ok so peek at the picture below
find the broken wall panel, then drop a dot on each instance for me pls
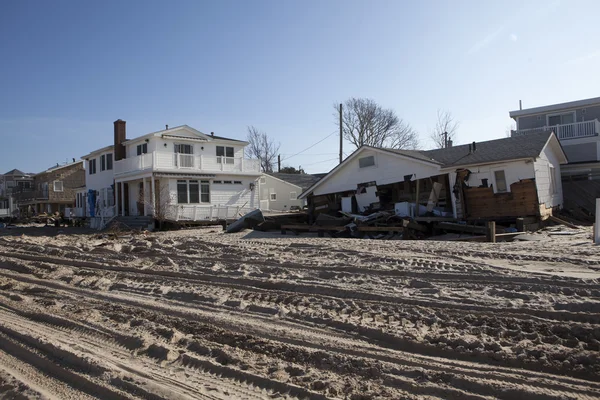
(521, 201)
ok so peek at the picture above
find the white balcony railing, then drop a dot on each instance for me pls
(164, 161)
(566, 131)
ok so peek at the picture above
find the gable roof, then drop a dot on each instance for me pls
(491, 151)
(303, 181)
(488, 152)
(15, 172)
(172, 132)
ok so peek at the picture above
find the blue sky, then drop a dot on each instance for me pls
(69, 69)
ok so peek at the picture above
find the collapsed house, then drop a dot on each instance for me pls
(492, 180)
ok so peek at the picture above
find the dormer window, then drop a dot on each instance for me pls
(225, 154)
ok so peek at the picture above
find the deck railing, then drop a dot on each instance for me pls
(181, 212)
(566, 131)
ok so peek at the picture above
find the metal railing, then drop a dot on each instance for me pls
(566, 131)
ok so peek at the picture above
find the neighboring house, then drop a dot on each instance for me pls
(504, 178)
(52, 190)
(279, 191)
(96, 198)
(178, 174)
(12, 183)
(576, 124)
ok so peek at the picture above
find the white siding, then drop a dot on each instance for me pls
(101, 179)
(283, 190)
(388, 169)
(548, 158)
(226, 194)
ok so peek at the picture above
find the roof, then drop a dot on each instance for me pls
(169, 132)
(60, 167)
(556, 107)
(491, 151)
(102, 150)
(488, 152)
(303, 181)
(15, 172)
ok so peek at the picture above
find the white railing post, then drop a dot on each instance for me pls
(177, 213)
(222, 162)
(210, 214)
(242, 164)
(195, 213)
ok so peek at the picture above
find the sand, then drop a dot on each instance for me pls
(205, 315)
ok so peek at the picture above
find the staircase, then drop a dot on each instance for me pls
(134, 222)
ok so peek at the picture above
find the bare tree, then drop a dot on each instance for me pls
(445, 124)
(364, 122)
(263, 147)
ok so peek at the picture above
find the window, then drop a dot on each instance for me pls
(193, 192)
(109, 161)
(237, 182)
(263, 180)
(273, 196)
(184, 148)
(217, 182)
(58, 186)
(227, 182)
(561, 119)
(293, 196)
(366, 162)
(224, 151)
(500, 179)
(204, 192)
(92, 166)
(103, 162)
(553, 188)
(142, 149)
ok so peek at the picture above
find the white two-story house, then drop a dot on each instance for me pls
(176, 174)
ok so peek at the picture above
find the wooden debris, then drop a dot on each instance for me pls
(563, 222)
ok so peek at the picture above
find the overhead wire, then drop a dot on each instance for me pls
(310, 147)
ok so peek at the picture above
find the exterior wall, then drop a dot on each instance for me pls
(199, 148)
(225, 194)
(582, 149)
(101, 179)
(546, 196)
(513, 172)
(532, 121)
(283, 192)
(387, 169)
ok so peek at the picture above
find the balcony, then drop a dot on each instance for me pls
(30, 195)
(176, 162)
(567, 131)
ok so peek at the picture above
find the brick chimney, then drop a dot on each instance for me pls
(120, 136)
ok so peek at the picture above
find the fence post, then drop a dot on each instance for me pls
(491, 231)
(177, 214)
(195, 213)
(210, 217)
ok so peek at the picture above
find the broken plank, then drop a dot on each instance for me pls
(563, 222)
(380, 228)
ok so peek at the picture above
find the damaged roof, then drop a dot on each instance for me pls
(303, 181)
(513, 148)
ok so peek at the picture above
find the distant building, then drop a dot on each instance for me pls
(279, 191)
(50, 191)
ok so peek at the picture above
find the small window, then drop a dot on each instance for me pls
(204, 192)
(109, 161)
(103, 162)
(217, 182)
(182, 195)
(553, 188)
(184, 148)
(273, 196)
(366, 162)
(227, 182)
(92, 166)
(500, 181)
(58, 186)
(194, 192)
(142, 149)
(263, 180)
(293, 196)
(237, 182)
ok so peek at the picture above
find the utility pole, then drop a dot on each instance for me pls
(341, 135)
(278, 162)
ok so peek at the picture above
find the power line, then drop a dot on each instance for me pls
(311, 154)
(310, 147)
(319, 162)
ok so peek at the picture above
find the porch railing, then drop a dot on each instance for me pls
(566, 131)
(205, 213)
